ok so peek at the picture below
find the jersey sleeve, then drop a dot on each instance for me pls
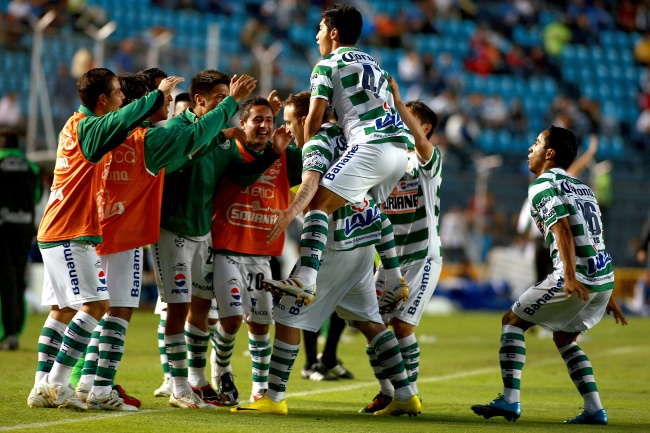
(98, 135)
(316, 156)
(321, 81)
(433, 166)
(547, 205)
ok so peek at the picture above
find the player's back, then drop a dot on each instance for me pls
(357, 87)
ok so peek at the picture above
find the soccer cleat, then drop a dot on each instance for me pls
(338, 370)
(208, 395)
(165, 389)
(82, 391)
(317, 372)
(189, 401)
(227, 390)
(391, 300)
(598, 417)
(498, 407)
(10, 342)
(61, 396)
(132, 401)
(410, 407)
(263, 405)
(380, 402)
(36, 400)
(292, 286)
(112, 401)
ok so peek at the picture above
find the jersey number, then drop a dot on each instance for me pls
(258, 281)
(590, 214)
(369, 79)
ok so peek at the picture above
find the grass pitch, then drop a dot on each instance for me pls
(458, 367)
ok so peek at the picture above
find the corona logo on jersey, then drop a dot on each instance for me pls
(124, 154)
(118, 176)
(251, 215)
(234, 292)
(364, 217)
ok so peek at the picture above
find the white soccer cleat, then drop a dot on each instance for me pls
(35, 400)
(82, 391)
(190, 401)
(392, 299)
(292, 286)
(112, 401)
(61, 396)
(165, 389)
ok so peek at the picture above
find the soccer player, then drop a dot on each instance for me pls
(183, 253)
(130, 220)
(574, 297)
(354, 83)
(413, 209)
(240, 225)
(346, 284)
(181, 102)
(70, 229)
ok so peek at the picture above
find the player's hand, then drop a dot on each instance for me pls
(282, 221)
(281, 139)
(275, 101)
(393, 85)
(574, 287)
(241, 87)
(615, 309)
(236, 133)
(167, 85)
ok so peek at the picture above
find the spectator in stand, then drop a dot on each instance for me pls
(626, 15)
(517, 63)
(420, 18)
(556, 35)
(582, 32)
(643, 16)
(123, 59)
(10, 113)
(410, 69)
(517, 121)
(494, 112)
(642, 50)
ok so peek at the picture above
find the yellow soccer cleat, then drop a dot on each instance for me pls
(410, 407)
(263, 405)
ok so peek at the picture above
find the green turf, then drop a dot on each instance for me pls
(458, 368)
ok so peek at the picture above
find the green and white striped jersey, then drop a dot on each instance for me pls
(356, 86)
(555, 195)
(351, 226)
(414, 209)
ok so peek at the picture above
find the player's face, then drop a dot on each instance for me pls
(114, 99)
(295, 125)
(537, 154)
(258, 127)
(324, 40)
(217, 95)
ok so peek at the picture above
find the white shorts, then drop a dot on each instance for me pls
(546, 305)
(345, 284)
(183, 268)
(73, 275)
(373, 168)
(124, 277)
(238, 288)
(422, 278)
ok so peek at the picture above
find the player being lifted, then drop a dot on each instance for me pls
(357, 88)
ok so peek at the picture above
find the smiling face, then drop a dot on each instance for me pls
(537, 154)
(324, 39)
(295, 125)
(258, 127)
(113, 101)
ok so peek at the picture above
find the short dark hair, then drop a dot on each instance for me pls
(134, 86)
(424, 114)
(8, 139)
(182, 97)
(245, 111)
(205, 81)
(93, 84)
(150, 76)
(564, 143)
(300, 102)
(346, 19)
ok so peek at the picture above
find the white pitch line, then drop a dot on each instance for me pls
(479, 371)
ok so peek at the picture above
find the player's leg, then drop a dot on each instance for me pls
(578, 364)
(92, 294)
(329, 360)
(166, 388)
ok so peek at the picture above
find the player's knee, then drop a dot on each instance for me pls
(231, 324)
(401, 329)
